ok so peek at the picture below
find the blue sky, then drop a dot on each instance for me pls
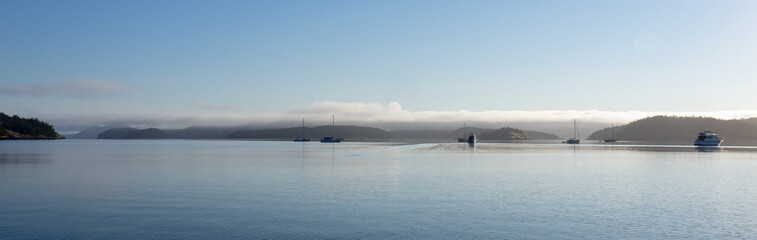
(245, 60)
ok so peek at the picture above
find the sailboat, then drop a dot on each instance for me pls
(464, 138)
(302, 138)
(612, 138)
(575, 139)
(332, 139)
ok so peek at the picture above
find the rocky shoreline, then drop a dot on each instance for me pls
(11, 135)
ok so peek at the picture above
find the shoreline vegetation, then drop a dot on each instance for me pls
(18, 128)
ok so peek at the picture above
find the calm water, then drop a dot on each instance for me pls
(245, 190)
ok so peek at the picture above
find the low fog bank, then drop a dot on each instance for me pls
(389, 117)
(562, 129)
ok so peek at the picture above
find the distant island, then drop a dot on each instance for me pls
(350, 133)
(15, 127)
(668, 128)
(657, 129)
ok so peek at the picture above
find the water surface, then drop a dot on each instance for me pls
(169, 189)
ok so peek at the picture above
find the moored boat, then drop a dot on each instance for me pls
(708, 138)
(612, 137)
(472, 139)
(575, 139)
(332, 138)
(463, 139)
(302, 138)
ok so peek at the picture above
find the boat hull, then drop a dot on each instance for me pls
(331, 140)
(711, 143)
(573, 141)
(472, 140)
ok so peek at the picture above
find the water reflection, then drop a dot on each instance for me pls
(708, 149)
(256, 190)
(531, 147)
(24, 158)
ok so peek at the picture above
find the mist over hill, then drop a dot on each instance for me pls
(369, 133)
(200, 132)
(315, 133)
(150, 133)
(350, 133)
(398, 129)
(92, 132)
(661, 128)
(155, 133)
(539, 135)
(116, 133)
(89, 133)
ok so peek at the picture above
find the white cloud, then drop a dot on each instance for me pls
(393, 112)
(74, 88)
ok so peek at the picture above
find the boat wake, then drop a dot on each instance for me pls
(447, 147)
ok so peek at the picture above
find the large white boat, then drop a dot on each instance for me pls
(708, 138)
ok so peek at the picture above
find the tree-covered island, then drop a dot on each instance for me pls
(15, 127)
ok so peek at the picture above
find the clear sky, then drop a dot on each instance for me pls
(64, 60)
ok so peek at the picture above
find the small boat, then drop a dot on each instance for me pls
(332, 139)
(472, 139)
(302, 138)
(575, 139)
(708, 138)
(612, 138)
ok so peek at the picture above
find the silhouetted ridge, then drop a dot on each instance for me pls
(150, 133)
(116, 133)
(682, 128)
(92, 132)
(358, 133)
(200, 132)
(347, 132)
(504, 133)
(539, 135)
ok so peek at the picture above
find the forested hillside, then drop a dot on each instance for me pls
(15, 127)
(682, 128)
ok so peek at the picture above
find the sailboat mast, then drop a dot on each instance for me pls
(333, 126)
(303, 127)
(575, 131)
(612, 128)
